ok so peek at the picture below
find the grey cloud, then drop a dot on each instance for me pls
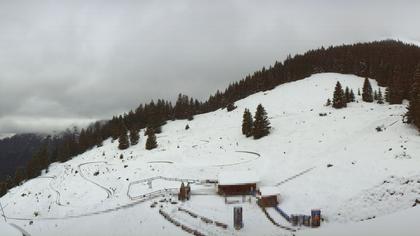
(71, 62)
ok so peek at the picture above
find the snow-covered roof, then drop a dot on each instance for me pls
(269, 191)
(237, 177)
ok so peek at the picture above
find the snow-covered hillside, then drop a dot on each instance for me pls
(357, 176)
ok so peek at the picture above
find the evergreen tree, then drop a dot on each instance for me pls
(247, 123)
(123, 141)
(347, 94)
(396, 87)
(19, 176)
(37, 163)
(358, 92)
(375, 95)
(387, 95)
(380, 97)
(339, 99)
(367, 95)
(413, 109)
(3, 188)
(151, 140)
(149, 130)
(261, 123)
(134, 135)
(352, 97)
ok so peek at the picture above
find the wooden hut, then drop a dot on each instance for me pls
(268, 196)
(183, 193)
(237, 183)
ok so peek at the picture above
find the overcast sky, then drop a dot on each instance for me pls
(74, 61)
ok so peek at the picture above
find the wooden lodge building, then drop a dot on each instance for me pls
(268, 196)
(232, 183)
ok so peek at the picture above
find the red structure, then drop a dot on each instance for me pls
(237, 183)
(268, 196)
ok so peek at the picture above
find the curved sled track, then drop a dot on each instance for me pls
(58, 195)
(160, 162)
(108, 192)
(253, 153)
(139, 200)
(193, 181)
(257, 155)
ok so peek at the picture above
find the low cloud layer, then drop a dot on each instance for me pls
(72, 62)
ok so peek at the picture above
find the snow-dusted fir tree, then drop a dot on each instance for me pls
(134, 136)
(123, 140)
(352, 97)
(151, 140)
(247, 123)
(339, 98)
(347, 94)
(261, 123)
(367, 95)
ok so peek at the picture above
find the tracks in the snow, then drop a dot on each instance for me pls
(137, 201)
(274, 222)
(58, 195)
(295, 176)
(149, 180)
(108, 192)
(257, 155)
(24, 232)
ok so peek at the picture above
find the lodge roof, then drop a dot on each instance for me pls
(269, 191)
(238, 177)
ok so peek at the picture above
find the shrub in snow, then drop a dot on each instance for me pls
(328, 103)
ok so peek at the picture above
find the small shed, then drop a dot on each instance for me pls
(184, 192)
(269, 196)
(237, 183)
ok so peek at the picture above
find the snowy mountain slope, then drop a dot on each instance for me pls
(103, 194)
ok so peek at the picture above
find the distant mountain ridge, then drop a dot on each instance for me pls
(17, 150)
